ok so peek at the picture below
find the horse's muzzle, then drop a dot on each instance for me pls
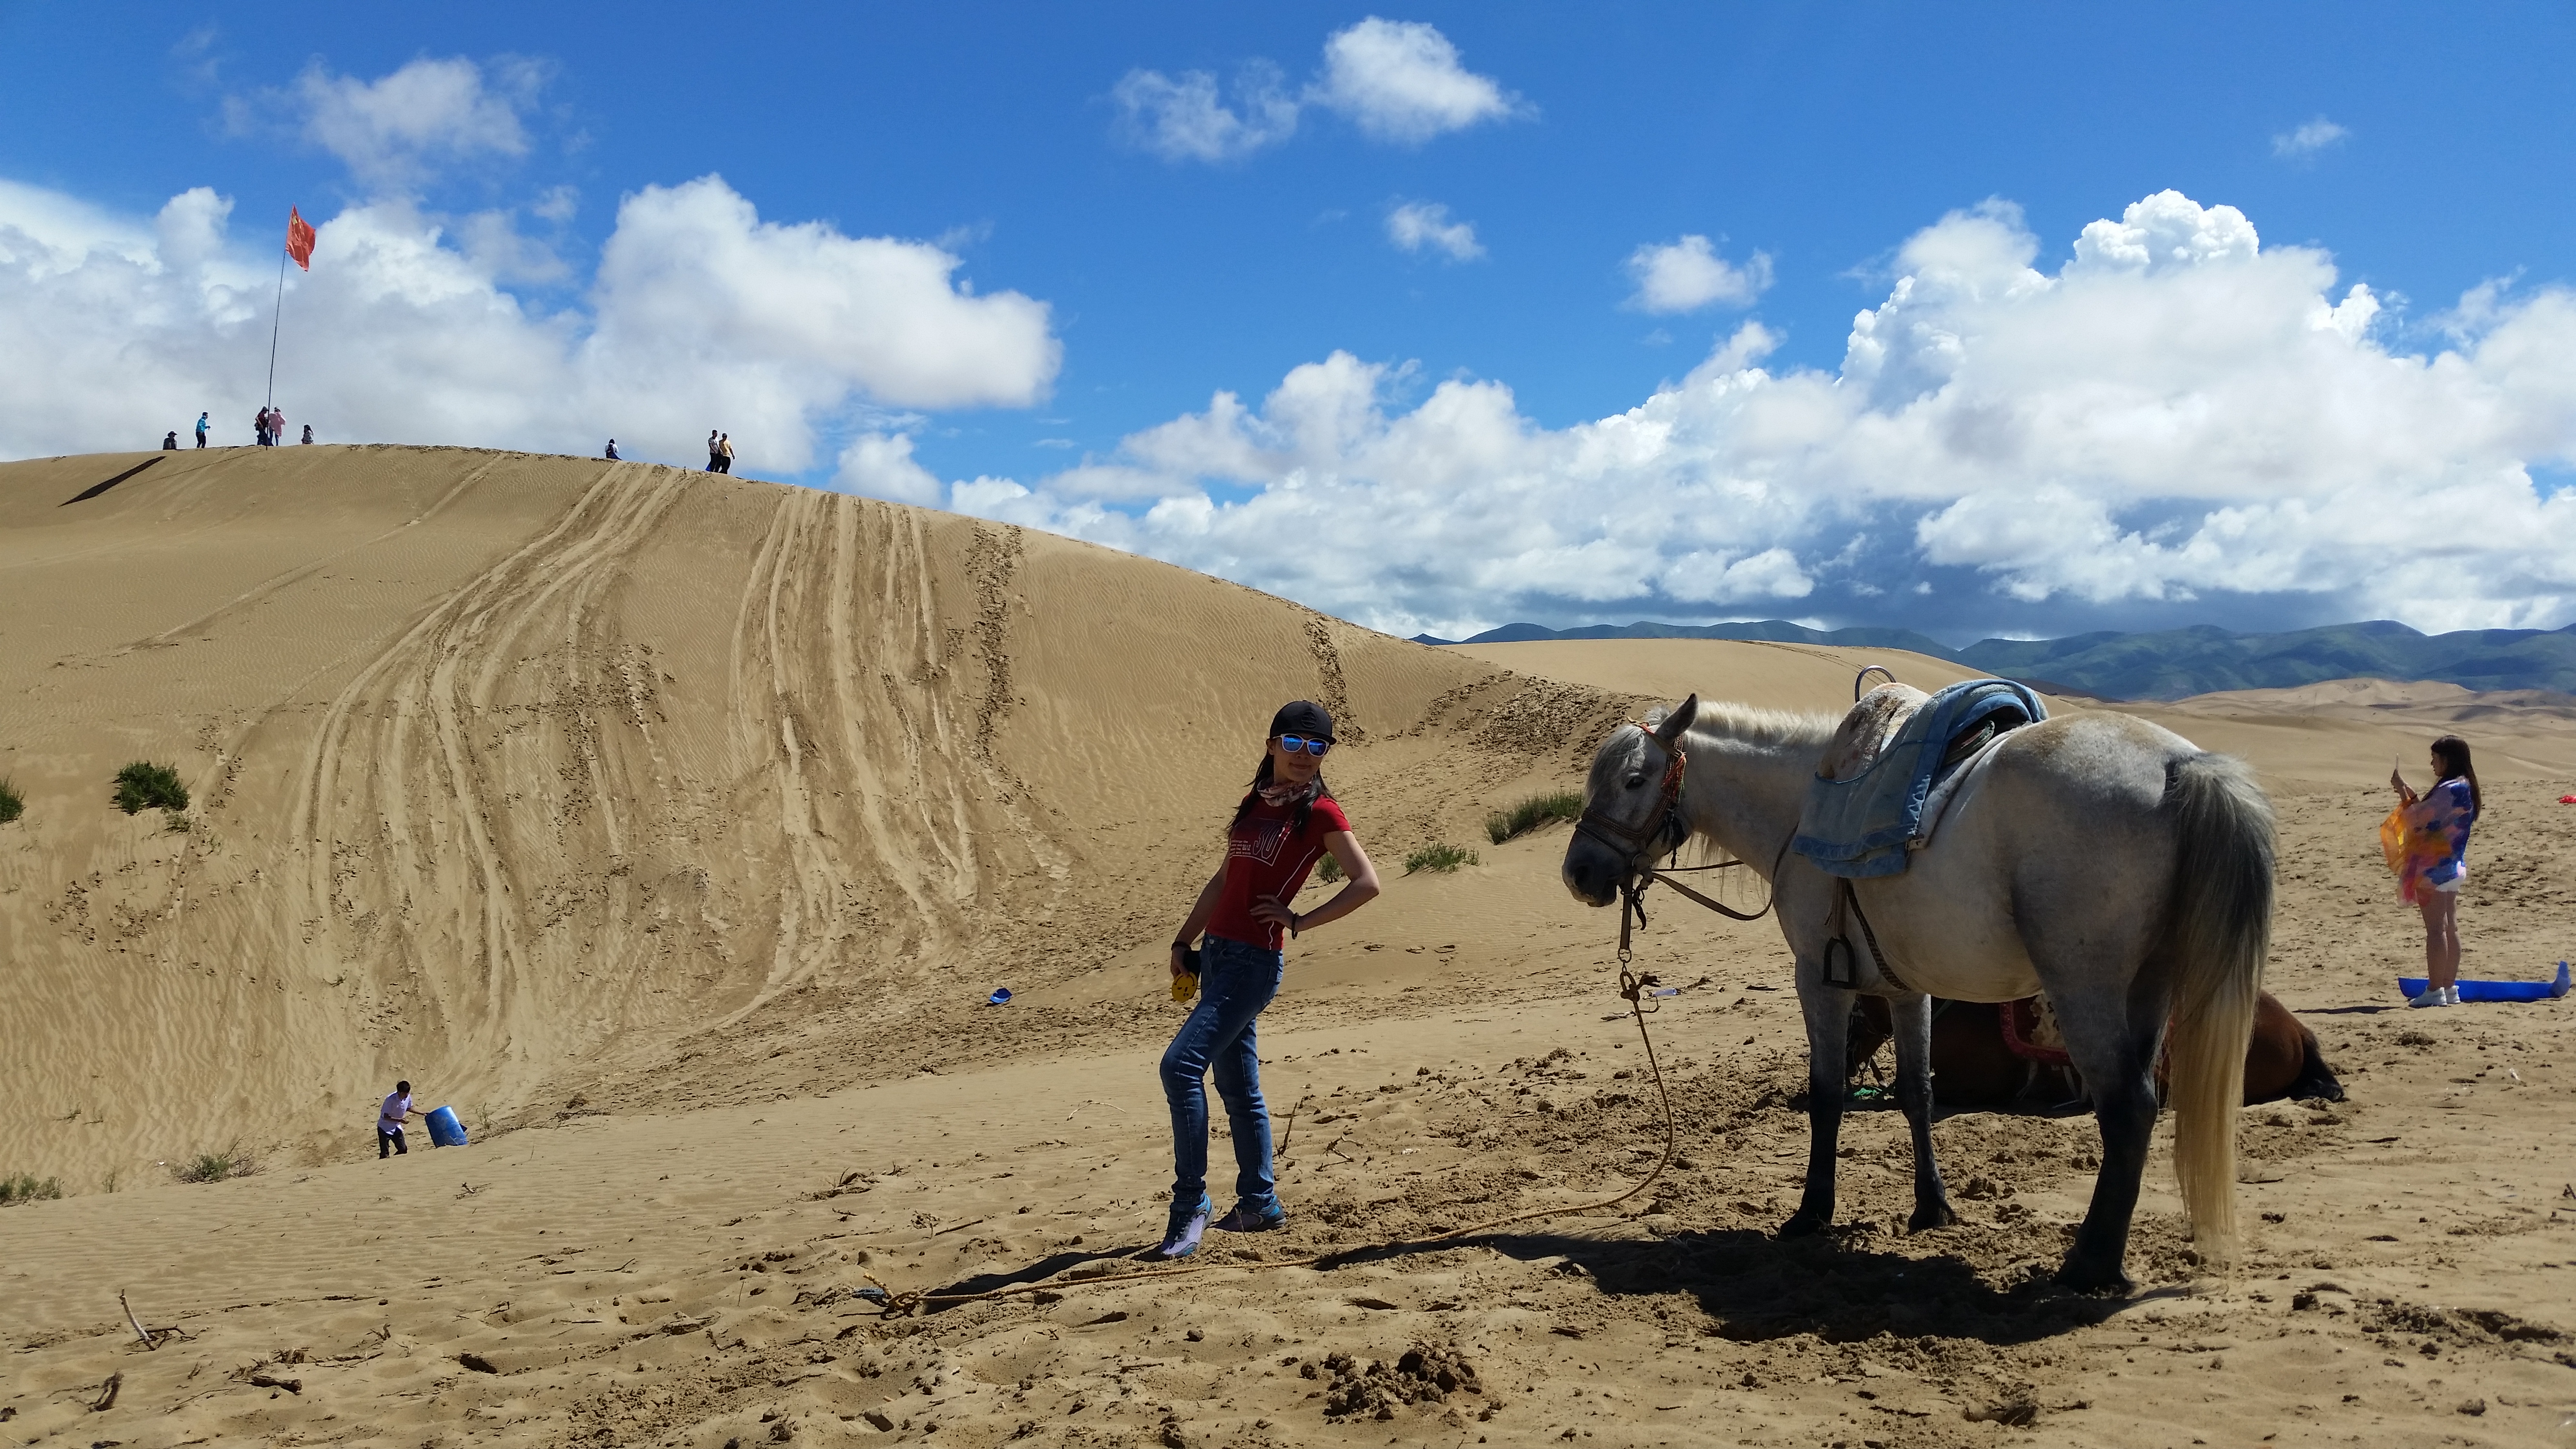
(1590, 873)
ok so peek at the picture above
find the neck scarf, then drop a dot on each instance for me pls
(1287, 794)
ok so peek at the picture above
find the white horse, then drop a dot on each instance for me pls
(2095, 857)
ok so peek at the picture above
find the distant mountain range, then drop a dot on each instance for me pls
(2172, 663)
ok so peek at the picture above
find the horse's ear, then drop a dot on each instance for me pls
(1672, 727)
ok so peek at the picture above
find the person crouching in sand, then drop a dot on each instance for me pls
(1286, 823)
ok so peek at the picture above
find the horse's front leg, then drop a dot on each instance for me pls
(1912, 1019)
(1828, 1011)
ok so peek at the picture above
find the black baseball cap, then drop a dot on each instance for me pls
(1301, 717)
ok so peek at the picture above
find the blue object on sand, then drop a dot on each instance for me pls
(1000, 997)
(2413, 986)
(444, 1129)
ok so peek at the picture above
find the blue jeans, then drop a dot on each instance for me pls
(1235, 981)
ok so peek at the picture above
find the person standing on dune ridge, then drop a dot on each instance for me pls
(1286, 823)
(201, 430)
(2443, 814)
(715, 460)
(724, 451)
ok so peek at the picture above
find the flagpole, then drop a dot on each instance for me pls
(278, 316)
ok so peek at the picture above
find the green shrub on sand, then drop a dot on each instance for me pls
(1532, 813)
(1439, 857)
(147, 786)
(26, 1187)
(216, 1166)
(12, 804)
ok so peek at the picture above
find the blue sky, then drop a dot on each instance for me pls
(1484, 372)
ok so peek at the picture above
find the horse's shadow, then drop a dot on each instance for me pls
(1753, 1286)
(1756, 1287)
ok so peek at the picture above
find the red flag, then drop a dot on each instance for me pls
(299, 238)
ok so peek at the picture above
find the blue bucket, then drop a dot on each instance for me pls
(444, 1129)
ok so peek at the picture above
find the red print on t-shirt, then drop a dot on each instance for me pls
(1265, 856)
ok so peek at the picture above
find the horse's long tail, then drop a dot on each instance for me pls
(2219, 929)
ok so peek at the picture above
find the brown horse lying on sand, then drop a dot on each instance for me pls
(1973, 1064)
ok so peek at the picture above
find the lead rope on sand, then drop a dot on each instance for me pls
(1631, 985)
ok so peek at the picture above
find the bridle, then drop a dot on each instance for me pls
(1663, 834)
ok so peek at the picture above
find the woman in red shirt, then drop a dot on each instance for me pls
(1287, 822)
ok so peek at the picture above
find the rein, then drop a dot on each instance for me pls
(1639, 845)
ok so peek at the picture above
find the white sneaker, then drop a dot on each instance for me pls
(2451, 995)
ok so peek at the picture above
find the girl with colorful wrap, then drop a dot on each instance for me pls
(2427, 841)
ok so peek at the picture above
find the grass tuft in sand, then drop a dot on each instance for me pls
(143, 785)
(217, 1166)
(12, 804)
(1532, 813)
(27, 1187)
(1440, 857)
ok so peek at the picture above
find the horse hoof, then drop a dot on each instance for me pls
(1803, 1224)
(2091, 1278)
(1930, 1216)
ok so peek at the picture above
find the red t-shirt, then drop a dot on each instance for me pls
(1263, 857)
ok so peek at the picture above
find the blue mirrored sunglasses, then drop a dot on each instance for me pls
(1293, 743)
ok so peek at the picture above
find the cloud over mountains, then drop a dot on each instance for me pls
(2173, 412)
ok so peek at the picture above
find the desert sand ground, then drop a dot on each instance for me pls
(674, 828)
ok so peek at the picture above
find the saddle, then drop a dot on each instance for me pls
(1893, 764)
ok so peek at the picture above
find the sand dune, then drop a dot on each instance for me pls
(674, 828)
(508, 768)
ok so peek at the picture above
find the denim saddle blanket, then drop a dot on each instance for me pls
(1878, 791)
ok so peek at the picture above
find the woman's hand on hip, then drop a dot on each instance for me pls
(1269, 909)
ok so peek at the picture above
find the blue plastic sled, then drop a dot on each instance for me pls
(2412, 986)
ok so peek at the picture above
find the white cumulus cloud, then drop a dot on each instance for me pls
(1402, 81)
(2173, 412)
(1689, 274)
(700, 314)
(1398, 81)
(1419, 225)
(2307, 139)
(391, 130)
(1184, 119)
(880, 465)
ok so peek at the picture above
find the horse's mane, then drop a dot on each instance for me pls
(1720, 722)
(1757, 726)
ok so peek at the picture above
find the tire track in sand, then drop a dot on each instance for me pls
(871, 678)
(396, 760)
